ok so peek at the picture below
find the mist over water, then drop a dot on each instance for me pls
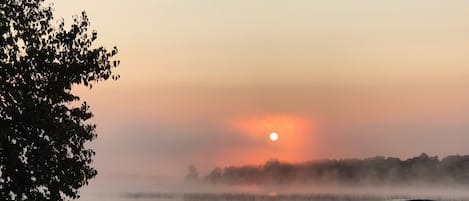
(426, 186)
(203, 192)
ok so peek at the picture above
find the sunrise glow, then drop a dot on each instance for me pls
(292, 135)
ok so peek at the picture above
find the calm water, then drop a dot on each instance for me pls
(126, 191)
(262, 197)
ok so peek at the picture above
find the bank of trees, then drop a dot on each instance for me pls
(377, 170)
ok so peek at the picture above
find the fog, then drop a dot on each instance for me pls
(377, 178)
(386, 192)
(379, 170)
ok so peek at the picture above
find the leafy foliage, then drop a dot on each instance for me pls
(42, 135)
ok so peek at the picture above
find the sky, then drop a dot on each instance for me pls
(205, 82)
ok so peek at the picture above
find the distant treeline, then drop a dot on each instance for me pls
(377, 170)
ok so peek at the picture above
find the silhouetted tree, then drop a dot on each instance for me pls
(42, 134)
(214, 176)
(193, 175)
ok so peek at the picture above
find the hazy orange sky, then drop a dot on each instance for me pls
(204, 82)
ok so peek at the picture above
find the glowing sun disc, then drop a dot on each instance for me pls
(273, 136)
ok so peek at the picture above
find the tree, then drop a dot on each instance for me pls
(193, 175)
(214, 176)
(42, 131)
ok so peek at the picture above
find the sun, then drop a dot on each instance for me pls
(273, 136)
